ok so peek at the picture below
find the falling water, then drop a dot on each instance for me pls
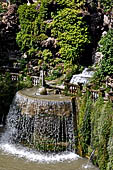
(40, 129)
(84, 77)
(43, 125)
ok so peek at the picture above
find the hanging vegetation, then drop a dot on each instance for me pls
(95, 131)
(61, 20)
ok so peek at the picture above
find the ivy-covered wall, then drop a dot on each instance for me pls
(105, 67)
(95, 131)
(62, 21)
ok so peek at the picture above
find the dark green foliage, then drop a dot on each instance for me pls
(110, 147)
(101, 133)
(18, 2)
(107, 4)
(8, 89)
(27, 83)
(106, 65)
(72, 41)
(7, 92)
(85, 123)
(57, 72)
(96, 131)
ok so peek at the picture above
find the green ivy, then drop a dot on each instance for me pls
(71, 33)
(106, 65)
(107, 4)
(85, 123)
(101, 133)
(67, 27)
(26, 38)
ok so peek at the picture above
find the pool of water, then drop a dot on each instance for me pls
(15, 157)
(11, 162)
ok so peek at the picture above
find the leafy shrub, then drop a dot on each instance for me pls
(27, 83)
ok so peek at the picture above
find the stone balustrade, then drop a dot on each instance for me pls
(74, 89)
(35, 80)
(15, 77)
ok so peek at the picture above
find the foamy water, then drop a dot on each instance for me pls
(35, 156)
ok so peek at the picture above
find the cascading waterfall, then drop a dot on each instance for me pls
(83, 78)
(43, 123)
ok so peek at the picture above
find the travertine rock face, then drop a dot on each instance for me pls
(50, 42)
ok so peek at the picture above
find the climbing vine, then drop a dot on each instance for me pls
(107, 4)
(106, 48)
(95, 131)
(72, 35)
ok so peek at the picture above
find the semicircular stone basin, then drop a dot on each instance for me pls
(32, 104)
(44, 122)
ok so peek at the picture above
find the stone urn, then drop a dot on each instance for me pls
(42, 91)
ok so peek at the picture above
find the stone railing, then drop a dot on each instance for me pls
(35, 80)
(71, 88)
(15, 77)
(74, 89)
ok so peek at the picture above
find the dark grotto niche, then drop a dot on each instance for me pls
(9, 53)
(9, 27)
(94, 19)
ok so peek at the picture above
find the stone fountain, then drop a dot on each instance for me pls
(43, 122)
